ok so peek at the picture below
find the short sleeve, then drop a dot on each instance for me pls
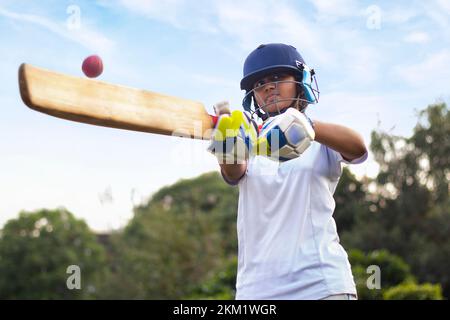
(231, 182)
(335, 160)
(354, 161)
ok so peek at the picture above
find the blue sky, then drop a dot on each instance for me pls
(377, 62)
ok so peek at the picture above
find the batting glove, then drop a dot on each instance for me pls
(234, 135)
(286, 136)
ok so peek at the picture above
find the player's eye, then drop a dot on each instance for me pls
(279, 77)
(273, 78)
(260, 83)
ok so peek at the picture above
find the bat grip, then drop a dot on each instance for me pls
(214, 120)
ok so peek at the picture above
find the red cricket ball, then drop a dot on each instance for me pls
(92, 66)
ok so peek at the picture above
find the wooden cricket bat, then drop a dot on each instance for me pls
(104, 104)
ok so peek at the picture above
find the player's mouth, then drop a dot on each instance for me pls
(273, 98)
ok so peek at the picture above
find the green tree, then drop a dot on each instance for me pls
(220, 284)
(409, 211)
(37, 248)
(174, 241)
(207, 195)
(351, 203)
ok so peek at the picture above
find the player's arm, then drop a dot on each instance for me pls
(233, 172)
(344, 140)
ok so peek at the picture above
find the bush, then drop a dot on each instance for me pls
(413, 291)
(220, 285)
(393, 272)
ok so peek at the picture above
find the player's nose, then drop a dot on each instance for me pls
(269, 87)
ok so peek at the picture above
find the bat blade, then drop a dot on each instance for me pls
(104, 104)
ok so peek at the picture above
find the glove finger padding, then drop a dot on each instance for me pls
(229, 125)
(233, 137)
(285, 136)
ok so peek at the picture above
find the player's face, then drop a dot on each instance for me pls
(275, 92)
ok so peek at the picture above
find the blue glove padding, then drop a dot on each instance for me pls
(285, 136)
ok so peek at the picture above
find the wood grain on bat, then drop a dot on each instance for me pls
(100, 103)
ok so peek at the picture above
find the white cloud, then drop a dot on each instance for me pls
(363, 64)
(444, 6)
(438, 12)
(417, 37)
(365, 112)
(167, 11)
(330, 11)
(300, 31)
(432, 73)
(249, 22)
(255, 22)
(88, 38)
(438, 17)
(315, 41)
(399, 15)
(245, 21)
(180, 14)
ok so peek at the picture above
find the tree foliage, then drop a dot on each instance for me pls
(393, 271)
(413, 291)
(220, 284)
(409, 209)
(37, 248)
(174, 241)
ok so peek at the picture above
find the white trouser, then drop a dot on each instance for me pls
(343, 296)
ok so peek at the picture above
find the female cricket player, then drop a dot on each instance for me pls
(287, 172)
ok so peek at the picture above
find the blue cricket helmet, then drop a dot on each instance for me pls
(269, 58)
(276, 57)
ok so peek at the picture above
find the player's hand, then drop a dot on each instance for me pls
(285, 136)
(234, 135)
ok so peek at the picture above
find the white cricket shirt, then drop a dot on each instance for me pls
(287, 238)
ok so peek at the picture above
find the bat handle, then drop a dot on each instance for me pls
(220, 108)
(214, 120)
